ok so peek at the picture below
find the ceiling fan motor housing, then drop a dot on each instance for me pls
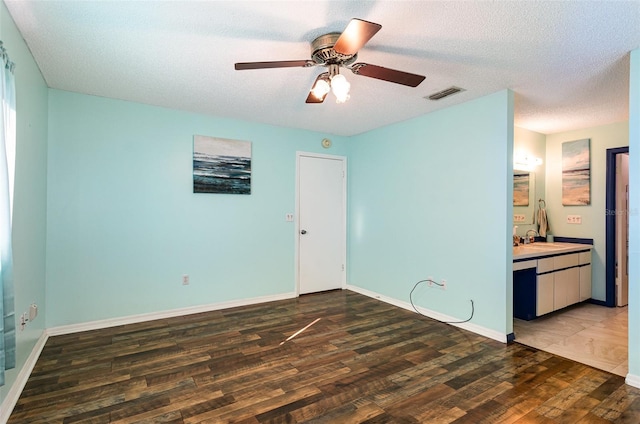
(323, 53)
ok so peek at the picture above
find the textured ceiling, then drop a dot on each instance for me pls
(567, 61)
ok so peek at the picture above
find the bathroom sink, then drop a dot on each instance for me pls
(545, 245)
(540, 249)
(536, 247)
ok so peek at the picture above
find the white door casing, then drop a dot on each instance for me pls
(321, 222)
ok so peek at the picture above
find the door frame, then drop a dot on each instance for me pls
(610, 227)
(296, 234)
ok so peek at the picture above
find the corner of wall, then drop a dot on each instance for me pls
(634, 218)
(30, 201)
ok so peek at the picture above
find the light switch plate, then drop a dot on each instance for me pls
(574, 219)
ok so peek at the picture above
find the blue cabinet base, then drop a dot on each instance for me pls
(524, 294)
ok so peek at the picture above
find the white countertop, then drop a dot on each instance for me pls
(540, 249)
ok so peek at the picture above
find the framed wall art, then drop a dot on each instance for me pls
(576, 173)
(221, 165)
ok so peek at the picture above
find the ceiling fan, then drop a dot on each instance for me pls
(337, 50)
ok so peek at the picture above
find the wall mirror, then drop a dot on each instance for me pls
(524, 197)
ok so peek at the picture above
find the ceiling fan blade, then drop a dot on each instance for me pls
(386, 74)
(356, 35)
(311, 98)
(276, 64)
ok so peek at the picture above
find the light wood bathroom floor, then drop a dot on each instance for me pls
(589, 334)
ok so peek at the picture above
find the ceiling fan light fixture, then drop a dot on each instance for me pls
(321, 88)
(336, 50)
(340, 88)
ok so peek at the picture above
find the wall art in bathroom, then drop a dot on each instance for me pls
(520, 188)
(576, 173)
(221, 165)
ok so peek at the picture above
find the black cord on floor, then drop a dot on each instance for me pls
(437, 284)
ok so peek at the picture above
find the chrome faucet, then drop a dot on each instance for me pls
(528, 238)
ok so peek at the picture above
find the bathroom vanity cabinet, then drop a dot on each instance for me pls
(549, 276)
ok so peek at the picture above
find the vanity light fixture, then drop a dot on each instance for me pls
(526, 163)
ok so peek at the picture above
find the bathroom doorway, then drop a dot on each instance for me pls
(617, 226)
(586, 332)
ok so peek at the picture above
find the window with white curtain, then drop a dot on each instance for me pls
(7, 173)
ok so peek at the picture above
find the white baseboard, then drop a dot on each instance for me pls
(133, 319)
(633, 380)
(21, 380)
(474, 328)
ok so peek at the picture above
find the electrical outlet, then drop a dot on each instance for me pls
(23, 321)
(574, 219)
(443, 283)
(185, 280)
(518, 218)
(288, 217)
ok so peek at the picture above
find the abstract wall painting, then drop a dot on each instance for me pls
(520, 189)
(576, 173)
(221, 165)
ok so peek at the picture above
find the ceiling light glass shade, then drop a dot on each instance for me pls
(340, 87)
(320, 89)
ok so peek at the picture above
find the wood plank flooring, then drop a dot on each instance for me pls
(363, 361)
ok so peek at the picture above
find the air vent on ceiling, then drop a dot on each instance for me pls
(445, 93)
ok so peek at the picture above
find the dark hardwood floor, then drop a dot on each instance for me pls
(363, 361)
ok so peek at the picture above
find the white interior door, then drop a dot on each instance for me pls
(622, 229)
(321, 222)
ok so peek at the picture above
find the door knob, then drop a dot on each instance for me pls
(303, 232)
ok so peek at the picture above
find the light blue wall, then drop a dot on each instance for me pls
(30, 195)
(593, 216)
(634, 216)
(124, 224)
(433, 196)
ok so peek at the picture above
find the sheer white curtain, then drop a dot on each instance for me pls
(7, 172)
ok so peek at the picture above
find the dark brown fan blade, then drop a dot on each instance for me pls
(386, 74)
(313, 99)
(356, 35)
(276, 64)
